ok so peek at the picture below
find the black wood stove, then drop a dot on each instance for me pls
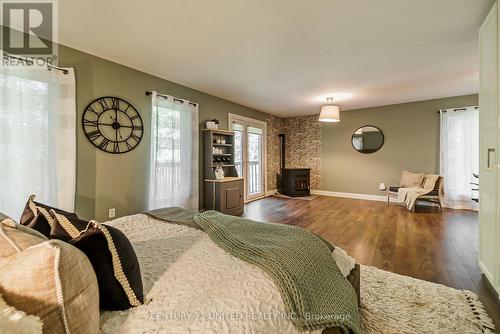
(292, 181)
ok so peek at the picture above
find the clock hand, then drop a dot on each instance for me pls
(112, 118)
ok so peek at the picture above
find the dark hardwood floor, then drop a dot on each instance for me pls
(441, 248)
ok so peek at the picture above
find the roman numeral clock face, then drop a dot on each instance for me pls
(113, 125)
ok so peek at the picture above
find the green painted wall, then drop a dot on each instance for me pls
(121, 181)
(411, 133)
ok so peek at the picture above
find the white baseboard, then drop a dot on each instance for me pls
(271, 192)
(368, 197)
(381, 198)
(489, 277)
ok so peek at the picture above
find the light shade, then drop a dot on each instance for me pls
(329, 113)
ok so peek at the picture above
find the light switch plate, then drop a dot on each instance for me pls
(112, 213)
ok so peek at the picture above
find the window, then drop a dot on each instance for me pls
(174, 153)
(238, 147)
(459, 157)
(37, 138)
(255, 161)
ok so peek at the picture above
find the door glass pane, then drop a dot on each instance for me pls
(257, 131)
(238, 127)
(254, 161)
(238, 148)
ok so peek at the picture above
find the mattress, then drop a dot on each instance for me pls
(193, 286)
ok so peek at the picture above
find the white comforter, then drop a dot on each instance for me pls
(197, 287)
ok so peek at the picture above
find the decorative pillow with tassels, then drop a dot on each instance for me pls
(66, 227)
(48, 279)
(115, 264)
(41, 217)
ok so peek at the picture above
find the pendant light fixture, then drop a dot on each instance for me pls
(330, 113)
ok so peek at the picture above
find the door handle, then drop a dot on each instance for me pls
(491, 158)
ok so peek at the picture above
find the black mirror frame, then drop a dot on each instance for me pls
(373, 126)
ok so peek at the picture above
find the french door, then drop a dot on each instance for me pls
(250, 155)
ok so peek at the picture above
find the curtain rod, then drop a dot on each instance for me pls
(49, 66)
(175, 99)
(456, 109)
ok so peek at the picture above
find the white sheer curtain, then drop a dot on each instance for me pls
(459, 156)
(37, 138)
(174, 153)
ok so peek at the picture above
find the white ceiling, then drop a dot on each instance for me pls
(279, 56)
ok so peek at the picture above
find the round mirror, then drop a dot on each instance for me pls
(367, 139)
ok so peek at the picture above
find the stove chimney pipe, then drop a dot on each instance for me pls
(282, 151)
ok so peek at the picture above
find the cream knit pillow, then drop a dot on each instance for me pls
(411, 180)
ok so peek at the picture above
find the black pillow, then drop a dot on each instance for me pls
(66, 228)
(38, 217)
(115, 264)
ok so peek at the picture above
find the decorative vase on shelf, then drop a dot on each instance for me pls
(219, 173)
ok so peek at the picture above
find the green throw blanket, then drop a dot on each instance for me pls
(315, 293)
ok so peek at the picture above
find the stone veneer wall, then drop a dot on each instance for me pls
(303, 146)
(274, 128)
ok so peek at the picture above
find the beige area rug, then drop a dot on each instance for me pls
(395, 304)
(305, 198)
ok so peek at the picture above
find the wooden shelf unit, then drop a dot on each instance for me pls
(224, 195)
(219, 151)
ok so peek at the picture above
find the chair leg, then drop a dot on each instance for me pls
(388, 200)
(440, 206)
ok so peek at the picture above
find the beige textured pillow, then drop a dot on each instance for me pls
(15, 238)
(49, 279)
(14, 321)
(411, 180)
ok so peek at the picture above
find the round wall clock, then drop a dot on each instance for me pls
(112, 124)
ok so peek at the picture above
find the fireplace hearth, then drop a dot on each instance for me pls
(292, 181)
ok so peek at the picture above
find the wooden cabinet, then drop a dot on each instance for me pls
(489, 111)
(225, 195)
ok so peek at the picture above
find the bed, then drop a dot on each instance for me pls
(193, 286)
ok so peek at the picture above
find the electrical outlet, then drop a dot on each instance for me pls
(112, 213)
